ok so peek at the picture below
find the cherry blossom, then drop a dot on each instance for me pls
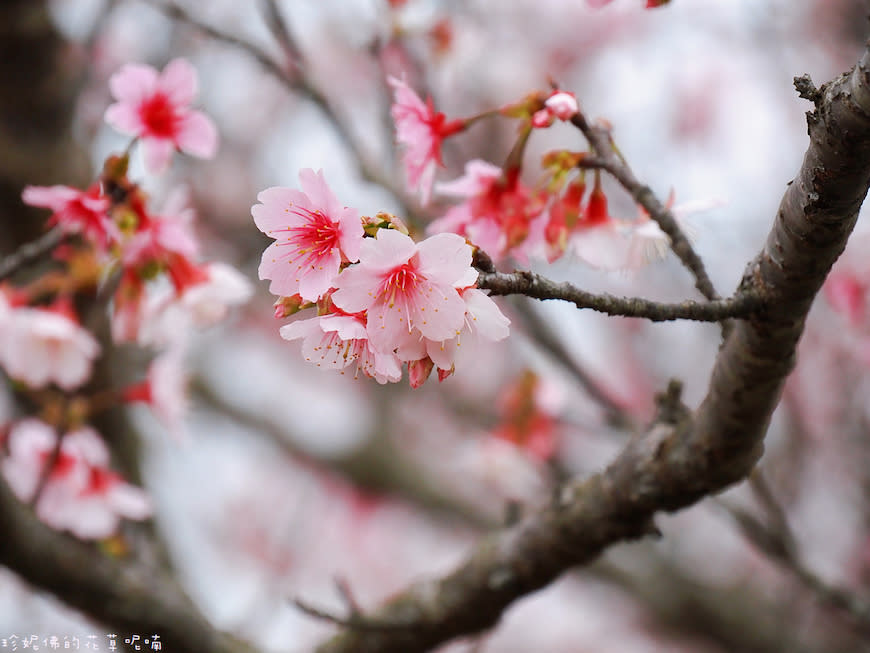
(483, 321)
(560, 105)
(80, 494)
(647, 241)
(528, 408)
(337, 340)
(407, 289)
(421, 130)
(209, 301)
(155, 107)
(201, 301)
(499, 213)
(313, 235)
(161, 238)
(128, 307)
(847, 294)
(75, 211)
(43, 346)
(164, 390)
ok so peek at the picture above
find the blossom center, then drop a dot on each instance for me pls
(402, 280)
(158, 114)
(318, 236)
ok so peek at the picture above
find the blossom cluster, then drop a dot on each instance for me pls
(71, 478)
(147, 261)
(382, 299)
(502, 215)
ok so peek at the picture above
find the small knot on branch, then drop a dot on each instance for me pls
(807, 89)
(670, 408)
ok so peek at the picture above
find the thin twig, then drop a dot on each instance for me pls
(607, 159)
(534, 285)
(30, 252)
(294, 78)
(776, 539)
(281, 31)
(353, 622)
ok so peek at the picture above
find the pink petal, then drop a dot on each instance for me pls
(356, 286)
(197, 135)
(484, 316)
(477, 178)
(346, 326)
(445, 257)
(316, 280)
(178, 81)
(301, 329)
(49, 197)
(133, 83)
(124, 117)
(129, 501)
(314, 186)
(351, 234)
(273, 213)
(284, 275)
(388, 249)
(158, 151)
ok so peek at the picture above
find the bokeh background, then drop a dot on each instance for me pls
(290, 477)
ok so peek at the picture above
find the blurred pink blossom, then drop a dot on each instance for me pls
(75, 211)
(561, 104)
(164, 390)
(80, 494)
(421, 130)
(40, 346)
(155, 107)
(499, 213)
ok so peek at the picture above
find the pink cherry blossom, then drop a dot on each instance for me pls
(499, 214)
(42, 346)
(335, 341)
(80, 494)
(408, 289)
(421, 130)
(209, 301)
(560, 105)
(128, 307)
(75, 211)
(483, 321)
(155, 107)
(847, 294)
(201, 299)
(313, 235)
(160, 238)
(165, 390)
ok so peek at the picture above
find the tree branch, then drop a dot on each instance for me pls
(30, 252)
(607, 159)
(743, 305)
(118, 593)
(672, 465)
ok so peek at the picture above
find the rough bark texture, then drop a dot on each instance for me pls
(677, 461)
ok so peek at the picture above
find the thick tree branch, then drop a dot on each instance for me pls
(672, 465)
(534, 285)
(118, 593)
